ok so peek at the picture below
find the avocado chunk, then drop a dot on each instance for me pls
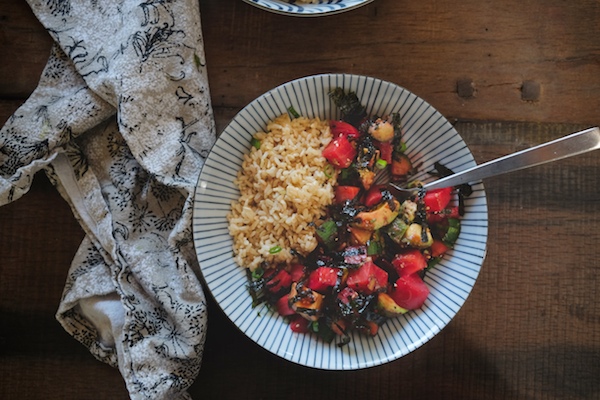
(359, 236)
(367, 177)
(388, 307)
(379, 217)
(417, 236)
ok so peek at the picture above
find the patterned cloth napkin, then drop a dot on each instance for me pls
(121, 122)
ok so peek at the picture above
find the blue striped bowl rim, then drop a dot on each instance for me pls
(429, 138)
(323, 7)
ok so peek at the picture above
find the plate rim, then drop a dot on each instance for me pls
(295, 12)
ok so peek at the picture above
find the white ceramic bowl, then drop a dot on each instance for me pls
(429, 138)
(323, 7)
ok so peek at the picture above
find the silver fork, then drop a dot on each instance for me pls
(568, 146)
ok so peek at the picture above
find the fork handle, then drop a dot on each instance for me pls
(568, 146)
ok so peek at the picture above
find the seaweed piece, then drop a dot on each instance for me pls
(350, 107)
(366, 152)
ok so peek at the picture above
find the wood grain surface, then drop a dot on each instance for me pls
(508, 74)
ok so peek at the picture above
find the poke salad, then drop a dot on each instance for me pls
(374, 245)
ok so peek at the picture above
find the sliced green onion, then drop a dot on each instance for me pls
(257, 273)
(396, 229)
(255, 143)
(329, 170)
(433, 261)
(380, 164)
(453, 231)
(275, 249)
(327, 232)
(374, 248)
(293, 111)
(401, 147)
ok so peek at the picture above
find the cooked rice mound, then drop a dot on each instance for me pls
(284, 191)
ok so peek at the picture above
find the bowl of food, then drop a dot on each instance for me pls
(305, 247)
(308, 8)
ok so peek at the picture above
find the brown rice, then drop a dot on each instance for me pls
(284, 191)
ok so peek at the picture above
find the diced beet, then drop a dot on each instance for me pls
(409, 292)
(347, 294)
(299, 324)
(437, 199)
(323, 278)
(385, 151)
(355, 254)
(343, 193)
(439, 216)
(283, 306)
(297, 271)
(339, 152)
(367, 279)
(374, 195)
(409, 262)
(438, 248)
(341, 128)
(281, 280)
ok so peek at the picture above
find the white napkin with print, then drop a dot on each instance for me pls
(121, 122)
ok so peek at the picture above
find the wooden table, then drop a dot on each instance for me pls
(509, 74)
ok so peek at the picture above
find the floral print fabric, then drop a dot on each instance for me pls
(121, 122)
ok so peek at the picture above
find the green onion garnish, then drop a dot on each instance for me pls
(293, 111)
(401, 147)
(275, 249)
(255, 142)
(257, 273)
(329, 170)
(327, 232)
(381, 164)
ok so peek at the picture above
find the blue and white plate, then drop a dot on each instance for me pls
(429, 138)
(295, 8)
